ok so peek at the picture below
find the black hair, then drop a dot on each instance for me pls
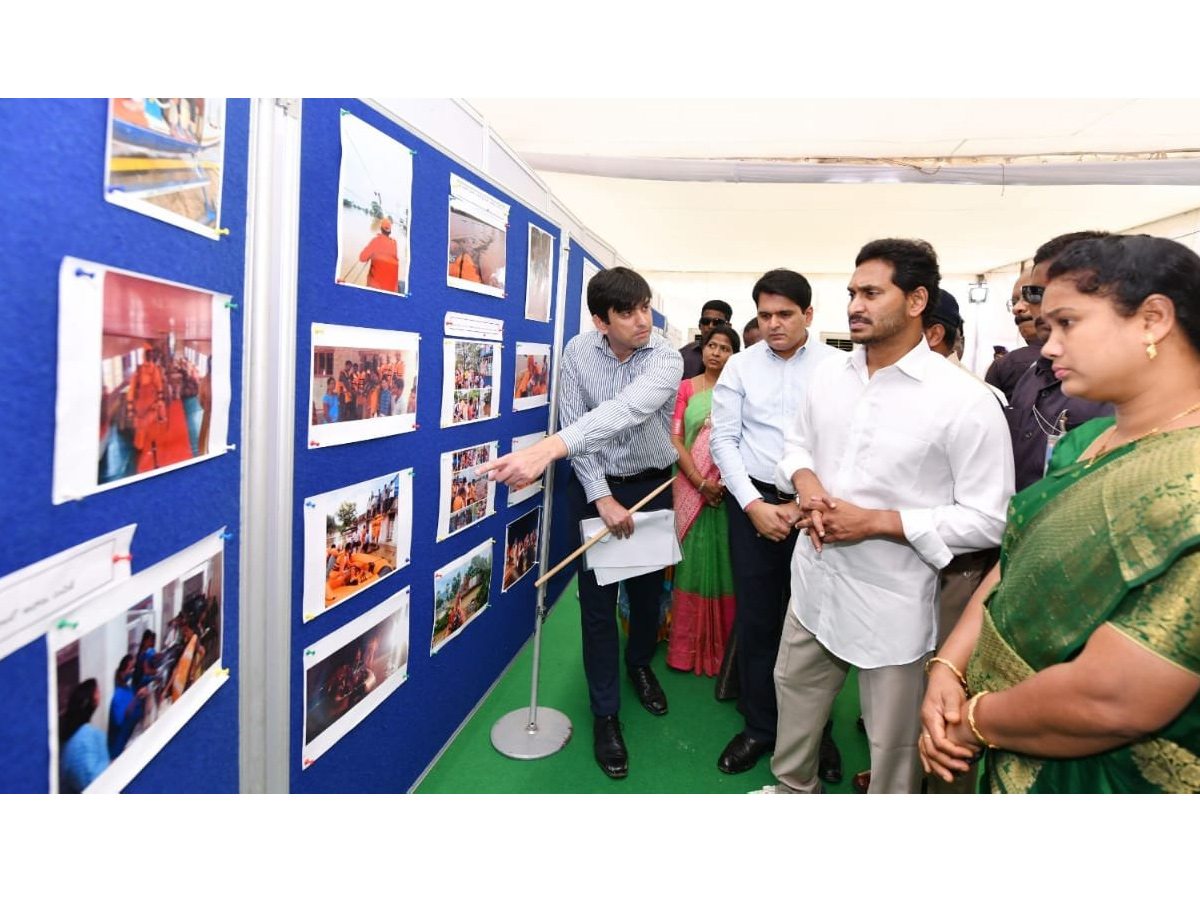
(950, 332)
(751, 325)
(125, 660)
(1056, 245)
(619, 289)
(727, 330)
(80, 706)
(785, 283)
(914, 264)
(720, 306)
(1129, 268)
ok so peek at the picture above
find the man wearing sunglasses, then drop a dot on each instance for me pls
(1004, 372)
(714, 313)
(1040, 412)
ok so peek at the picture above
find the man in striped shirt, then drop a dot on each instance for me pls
(617, 389)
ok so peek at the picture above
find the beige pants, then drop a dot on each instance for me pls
(808, 678)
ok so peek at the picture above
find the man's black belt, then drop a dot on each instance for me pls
(772, 491)
(644, 475)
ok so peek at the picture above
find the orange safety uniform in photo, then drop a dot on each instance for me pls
(464, 267)
(384, 272)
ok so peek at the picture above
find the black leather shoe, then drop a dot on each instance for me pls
(609, 747)
(829, 763)
(649, 691)
(742, 753)
(862, 781)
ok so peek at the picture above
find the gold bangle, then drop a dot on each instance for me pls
(949, 665)
(971, 704)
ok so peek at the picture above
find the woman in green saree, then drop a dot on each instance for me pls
(1076, 667)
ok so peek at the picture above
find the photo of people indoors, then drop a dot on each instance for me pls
(460, 592)
(360, 540)
(338, 683)
(155, 378)
(367, 383)
(521, 547)
(468, 492)
(117, 680)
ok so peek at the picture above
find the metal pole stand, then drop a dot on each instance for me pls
(538, 731)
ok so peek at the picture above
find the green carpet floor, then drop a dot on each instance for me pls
(675, 753)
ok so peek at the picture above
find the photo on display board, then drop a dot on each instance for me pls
(466, 498)
(521, 547)
(471, 374)
(355, 537)
(539, 283)
(476, 253)
(349, 672)
(129, 667)
(524, 492)
(460, 593)
(147, 359)
(363, 384)
(531, 386)
(374, 209)
(165, 159)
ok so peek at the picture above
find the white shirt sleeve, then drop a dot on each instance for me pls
(725, 441)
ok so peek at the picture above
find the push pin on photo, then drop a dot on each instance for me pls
(120, 556)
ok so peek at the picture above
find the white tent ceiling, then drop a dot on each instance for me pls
(745, 185)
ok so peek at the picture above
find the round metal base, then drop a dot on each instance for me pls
(513, 736)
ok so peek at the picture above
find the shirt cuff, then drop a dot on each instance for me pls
(921, 533)
(789, 466)
(595, 490)
(575, 440)
(743, 490)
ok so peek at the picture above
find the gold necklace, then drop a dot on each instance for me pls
(1155, 430)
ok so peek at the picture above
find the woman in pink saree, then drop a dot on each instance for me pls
(702, 601)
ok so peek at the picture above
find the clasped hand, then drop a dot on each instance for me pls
(828, 519)
(946, 744)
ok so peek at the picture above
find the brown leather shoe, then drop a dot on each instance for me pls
(862, 782)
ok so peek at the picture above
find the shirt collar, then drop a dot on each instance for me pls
(914, 363)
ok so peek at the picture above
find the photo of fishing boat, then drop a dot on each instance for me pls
(165, 159)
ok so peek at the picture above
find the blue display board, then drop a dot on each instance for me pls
(52, 205)
(392, 746)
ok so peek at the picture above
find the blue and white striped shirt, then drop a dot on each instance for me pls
(616, 416)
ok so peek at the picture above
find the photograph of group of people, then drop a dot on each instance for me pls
(354, 537)
(471, 370)
(363, 384)
(165, 159)
(466, 498)
(374, 209)
(531, 387)
(123, 672)
(477, 244)
(150, 360)
(351, 671)
(460, 593)
(521, 547)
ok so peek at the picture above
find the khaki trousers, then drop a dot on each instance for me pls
(808, 678)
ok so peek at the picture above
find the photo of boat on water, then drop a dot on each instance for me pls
(165, 158)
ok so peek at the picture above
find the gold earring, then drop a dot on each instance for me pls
(1151, 350)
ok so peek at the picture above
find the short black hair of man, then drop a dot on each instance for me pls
(720, 306)
(619, 289)
(1129, 268)
(752, 325)
(785, 283)
(914, 264)
(1056, 245)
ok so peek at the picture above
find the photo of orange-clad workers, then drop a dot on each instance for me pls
(355, 537)
(374, 209)
(531, 387)
(460, 593)
(466, 498)
(156, 371)
(520, 547)
(477, 240)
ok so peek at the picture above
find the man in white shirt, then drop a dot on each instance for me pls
(753, 403)
(899, 461)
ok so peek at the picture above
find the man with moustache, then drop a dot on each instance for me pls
(1040, 412)
(899, 462)
(1004, 372)
(753, 401)
(617, 388)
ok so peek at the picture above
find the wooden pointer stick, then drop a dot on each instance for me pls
(599, 535)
